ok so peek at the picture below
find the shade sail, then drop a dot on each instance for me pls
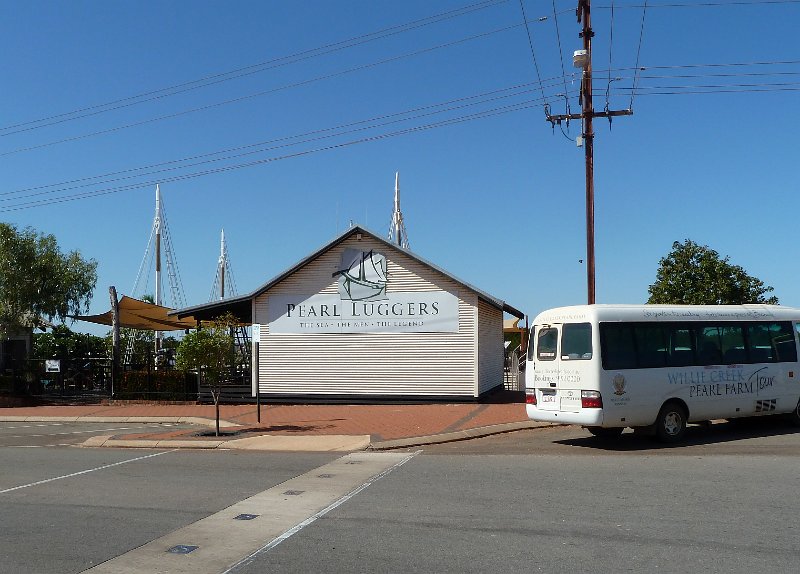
(136, 314)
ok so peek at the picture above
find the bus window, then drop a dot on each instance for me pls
(681, 347)
(771, 342)
(576, 341)
(651, 346)
(618, 350)
(732, 339)
(709, 346)
(546, 342)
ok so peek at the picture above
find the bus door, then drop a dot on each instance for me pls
(546, 366)
(563, 354)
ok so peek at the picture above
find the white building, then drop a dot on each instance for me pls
(364, 318)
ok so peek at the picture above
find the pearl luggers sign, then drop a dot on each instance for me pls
(404, 312)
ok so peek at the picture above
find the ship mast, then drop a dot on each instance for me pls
(397, 229)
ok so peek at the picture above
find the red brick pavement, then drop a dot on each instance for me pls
(381, 422)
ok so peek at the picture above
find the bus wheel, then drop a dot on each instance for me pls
(601, 432)
(671, 422)
(794, 416)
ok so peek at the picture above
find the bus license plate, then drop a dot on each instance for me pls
(571, 401)
(549, 399)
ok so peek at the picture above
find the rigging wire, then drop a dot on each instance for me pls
(244, 71)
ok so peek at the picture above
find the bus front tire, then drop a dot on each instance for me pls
(794, 416)
(671, 423)
(609, 433)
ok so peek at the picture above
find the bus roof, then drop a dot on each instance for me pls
(595, 313)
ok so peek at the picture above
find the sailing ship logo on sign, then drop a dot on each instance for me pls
(362, 276)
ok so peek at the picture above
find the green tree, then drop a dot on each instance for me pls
(695, 274)
(63, 343)
(210, 351)
(38, 281)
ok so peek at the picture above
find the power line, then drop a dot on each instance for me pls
(561, 61)
(405, 115)
(533, 52)
(264, 92)
(638, 53)
(444, 123)
(704, 4)
(282, 143)
(244, 71)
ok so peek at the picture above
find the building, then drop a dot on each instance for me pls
(363, 318)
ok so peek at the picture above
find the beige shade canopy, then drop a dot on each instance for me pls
(136, 314)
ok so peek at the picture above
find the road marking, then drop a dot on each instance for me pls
(87, 471)
(69, 432)
(225, 544)
(32, 426)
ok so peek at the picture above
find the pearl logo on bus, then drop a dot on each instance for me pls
(619, 384)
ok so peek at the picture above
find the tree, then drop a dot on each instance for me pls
(38, 281)
(63, 343)
(695, 274)
(210, 351)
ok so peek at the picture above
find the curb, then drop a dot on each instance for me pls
(459, 435)
(310, 443)
(266, 442)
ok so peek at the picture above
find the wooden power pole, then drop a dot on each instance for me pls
(584, 59)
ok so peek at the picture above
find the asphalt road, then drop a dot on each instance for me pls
(60, 434)
(552, 500)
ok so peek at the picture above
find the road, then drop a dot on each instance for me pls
(549, 500)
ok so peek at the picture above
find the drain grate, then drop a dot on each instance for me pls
(353, 462)
(182, 549)
(246, 517)
(294, 492)
(325, 476)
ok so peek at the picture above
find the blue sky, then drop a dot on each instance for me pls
(497, 200)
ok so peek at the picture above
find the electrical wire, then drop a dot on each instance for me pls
(610, 50)
(264, 92)
(561, 61)
(378, 137)
(638, 53)
(244, 71)
(703, 4)
(533, 52)
(314, 135)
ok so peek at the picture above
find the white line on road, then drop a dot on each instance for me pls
(69, 432)
(311, 519)
(87, 471)
(220, 543)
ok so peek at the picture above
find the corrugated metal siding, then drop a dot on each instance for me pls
(394, 364)
(490, 347)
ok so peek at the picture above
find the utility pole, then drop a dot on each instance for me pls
(583, 59)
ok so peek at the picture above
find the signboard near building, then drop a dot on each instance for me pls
(404, 312)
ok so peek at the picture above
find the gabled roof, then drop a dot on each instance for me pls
(241, 305)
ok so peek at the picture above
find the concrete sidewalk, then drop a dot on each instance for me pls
(345, 427)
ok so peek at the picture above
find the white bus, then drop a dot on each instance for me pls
(658, 367)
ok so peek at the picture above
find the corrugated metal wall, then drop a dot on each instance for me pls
(490, 347)
(391, 364)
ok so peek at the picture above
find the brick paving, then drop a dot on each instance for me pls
(380, 421)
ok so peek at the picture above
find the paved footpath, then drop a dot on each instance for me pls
(294, 427)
